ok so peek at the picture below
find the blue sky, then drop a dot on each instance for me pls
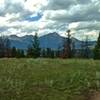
(25, 17)
(35, 17)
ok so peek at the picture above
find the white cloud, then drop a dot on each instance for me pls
(34, 5)
(1, 4)
(81, 16)
(73, 25)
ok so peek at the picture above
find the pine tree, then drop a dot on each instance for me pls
(52, 54)
(86, 48)
(43, 53)
(36, 46)
(97, 49)
(30, 52)
(2, 48)
(20, 53)
(5, 49)
(82, 49)
(73, 49)
(69, 44)
(13, 52)
(67, 53)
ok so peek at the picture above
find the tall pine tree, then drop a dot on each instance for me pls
(67, 53)
(30, 52)
(86, 48)
(13, 52)
(97, 49)
(36, 46)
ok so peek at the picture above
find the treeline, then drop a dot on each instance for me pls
(67, 50)
(7, 51)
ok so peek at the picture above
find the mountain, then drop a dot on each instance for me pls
(20, 42)
(51, 40)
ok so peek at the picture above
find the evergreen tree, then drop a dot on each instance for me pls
(48, 52)
(67, 53)
(5, 49)
(13, 52)
(58, 52)
(86, 48)
(30, 52)
(36, 46)
(52, 54)
(82, 49)
(73, 49)
(43, 53)
(69, 44)
(97, 49)
(20, 53)
(2, 48)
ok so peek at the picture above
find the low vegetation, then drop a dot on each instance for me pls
(47, 79)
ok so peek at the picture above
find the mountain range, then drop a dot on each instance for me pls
(51, 40)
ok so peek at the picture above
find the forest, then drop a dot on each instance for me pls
(68, 49)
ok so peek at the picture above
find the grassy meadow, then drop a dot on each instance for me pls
(48, 79)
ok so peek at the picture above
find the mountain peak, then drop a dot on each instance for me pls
(13, 36)
(52, 40)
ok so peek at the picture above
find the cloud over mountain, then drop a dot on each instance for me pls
(23, 17)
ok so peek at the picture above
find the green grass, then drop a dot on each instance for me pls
(48, 79)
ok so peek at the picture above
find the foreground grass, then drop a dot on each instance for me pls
(47, 79)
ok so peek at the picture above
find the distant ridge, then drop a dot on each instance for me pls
(51, 40)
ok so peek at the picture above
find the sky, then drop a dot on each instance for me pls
(25, 17)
